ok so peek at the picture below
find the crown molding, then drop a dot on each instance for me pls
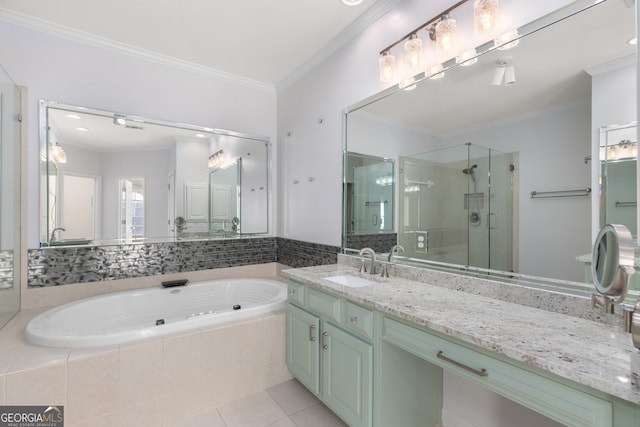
(370, 16)
(72, 34)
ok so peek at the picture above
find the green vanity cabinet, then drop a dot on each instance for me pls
(330, 358)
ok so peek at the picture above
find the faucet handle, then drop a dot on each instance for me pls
(385, 272)
(363, 267)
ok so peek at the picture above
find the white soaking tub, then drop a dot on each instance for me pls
(133, 315)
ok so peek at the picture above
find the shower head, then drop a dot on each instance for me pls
(469, 170)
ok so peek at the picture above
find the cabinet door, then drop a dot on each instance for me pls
(346, 375)
(303, 330)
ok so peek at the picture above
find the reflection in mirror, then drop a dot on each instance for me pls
(545, 123)
(457, 206)
(618, 183)
(369, 201)
(224, 200)
(115, 178)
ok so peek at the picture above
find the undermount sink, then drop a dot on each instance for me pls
(350, 281)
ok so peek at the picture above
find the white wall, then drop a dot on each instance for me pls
(70, 72)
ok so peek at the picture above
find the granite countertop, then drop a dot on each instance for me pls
(594, 354)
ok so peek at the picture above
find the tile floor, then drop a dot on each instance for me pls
(288, 404)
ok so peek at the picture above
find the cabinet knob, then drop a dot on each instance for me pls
(292, 292)
(353, 320)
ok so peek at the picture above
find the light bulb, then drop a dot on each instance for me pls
(485, 14)
(468, 57)
(507, 40)
(408, 84)
(446, 34)
(387, 66)
(413, 50)
(435, 72)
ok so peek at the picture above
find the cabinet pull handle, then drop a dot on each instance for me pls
(482, 373)
(292, 292)
(311, 335)
(324, 344)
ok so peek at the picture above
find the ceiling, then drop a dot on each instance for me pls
(264, 41)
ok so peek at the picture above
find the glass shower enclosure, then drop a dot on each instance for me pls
(456, 207)
(10, 237)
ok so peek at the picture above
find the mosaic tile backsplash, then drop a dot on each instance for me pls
(380, 243)
(6, 269)
(62, 266)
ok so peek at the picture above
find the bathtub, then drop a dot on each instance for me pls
(134, 315)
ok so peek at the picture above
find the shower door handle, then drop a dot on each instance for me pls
(492, 221)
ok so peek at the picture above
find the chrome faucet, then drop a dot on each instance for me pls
(395, 249)
(363, 268)
(53, 233)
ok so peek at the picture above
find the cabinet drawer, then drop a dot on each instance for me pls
(296, 293)
(358, 319)
(327, 306)
(552, 398)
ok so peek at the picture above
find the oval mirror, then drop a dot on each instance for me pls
(613, 260)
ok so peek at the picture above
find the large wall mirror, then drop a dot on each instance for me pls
(110, 178)
(496, 161)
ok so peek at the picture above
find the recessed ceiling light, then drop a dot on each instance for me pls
(351, 2)
(200, 135)
(633, 41)
(82, 129)
(209, 129)
(73, 116)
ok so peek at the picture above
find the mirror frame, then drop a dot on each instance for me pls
(45, 162)
(544, 283)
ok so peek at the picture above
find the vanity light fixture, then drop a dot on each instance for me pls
(441, 30)
(57, 154)
(485, 15)
(216, 159)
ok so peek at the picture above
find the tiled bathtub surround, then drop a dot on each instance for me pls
(6, 269)
(158, 382)
(62, 266)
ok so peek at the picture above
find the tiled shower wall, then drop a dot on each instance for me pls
(6, 269)
(62, 266)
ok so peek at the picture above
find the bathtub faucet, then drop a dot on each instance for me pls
(53, 233)
(363, 268)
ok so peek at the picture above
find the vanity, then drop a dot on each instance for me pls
(376, 354)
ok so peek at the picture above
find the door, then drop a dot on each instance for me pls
(347, 364)
(303, 330)
(78, 210)
(131, 208)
